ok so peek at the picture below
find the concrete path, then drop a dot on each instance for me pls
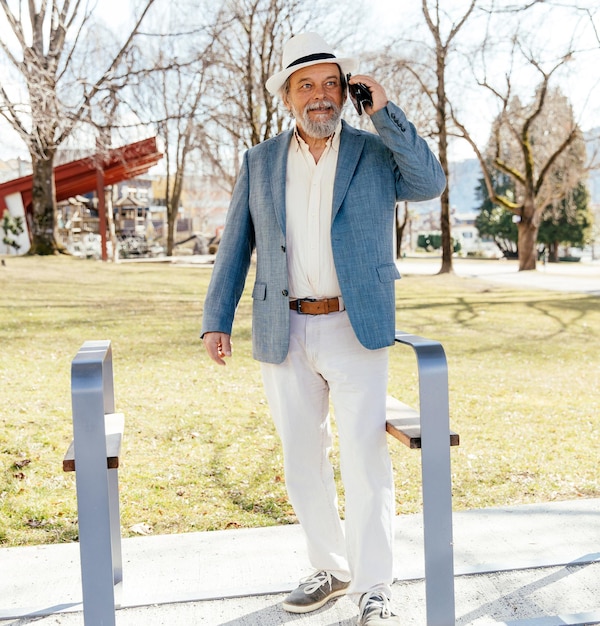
(532, 564)
(582, 277)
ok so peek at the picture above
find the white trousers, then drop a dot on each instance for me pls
(327, 362)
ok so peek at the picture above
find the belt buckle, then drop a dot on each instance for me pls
(300, 301)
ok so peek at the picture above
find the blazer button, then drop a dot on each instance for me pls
(285, 293)
(283, 248)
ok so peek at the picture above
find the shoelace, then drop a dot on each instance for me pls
(377, 602)
(316, 580)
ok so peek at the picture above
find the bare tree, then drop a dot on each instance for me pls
(530, 155)
(43, 52)
(427, 67)
(537, 144)
(171, 98)
(443, 45)
(183, 98)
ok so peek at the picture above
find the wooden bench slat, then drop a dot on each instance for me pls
(404, 423)
(114, 424)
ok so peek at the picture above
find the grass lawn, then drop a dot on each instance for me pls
(200, 451)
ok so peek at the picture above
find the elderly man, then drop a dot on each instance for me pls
(317, 203)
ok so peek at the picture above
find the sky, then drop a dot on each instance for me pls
(580, 80)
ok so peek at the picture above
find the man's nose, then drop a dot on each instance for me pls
(319, 92)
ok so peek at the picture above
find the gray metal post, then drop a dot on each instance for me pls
(92, 396)
(115, 534)
(436, 477)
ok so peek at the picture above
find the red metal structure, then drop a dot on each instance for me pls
(93, 173)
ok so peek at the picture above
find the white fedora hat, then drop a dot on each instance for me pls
(304, 50)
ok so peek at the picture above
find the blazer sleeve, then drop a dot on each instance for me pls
(232, 261)
(419, 175)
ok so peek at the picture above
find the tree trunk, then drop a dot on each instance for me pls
(527, 239)
(173, 205)
(443, 157)
(171, 219)
(400, 227)
(446, 231)
(43, 225)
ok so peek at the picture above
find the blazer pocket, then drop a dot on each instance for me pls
(388, 273)
(259, 291)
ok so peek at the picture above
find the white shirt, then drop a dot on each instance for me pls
(309, 198)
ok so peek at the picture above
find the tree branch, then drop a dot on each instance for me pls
(494, 197)
(105, 77)
(563, 146)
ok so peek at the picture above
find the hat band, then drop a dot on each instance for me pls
(312, 57)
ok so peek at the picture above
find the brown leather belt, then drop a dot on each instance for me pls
(308, 306)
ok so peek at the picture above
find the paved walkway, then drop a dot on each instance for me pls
(581, 277)
(533, 564)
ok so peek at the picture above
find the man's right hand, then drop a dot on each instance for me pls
(218, 345)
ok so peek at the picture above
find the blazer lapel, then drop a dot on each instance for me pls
(277, 162)
(351, 146)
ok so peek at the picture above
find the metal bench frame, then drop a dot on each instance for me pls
(436, 476)
(97, 433)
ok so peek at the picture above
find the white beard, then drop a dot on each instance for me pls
(316, 129)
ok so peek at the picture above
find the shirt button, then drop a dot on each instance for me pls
(285, 292)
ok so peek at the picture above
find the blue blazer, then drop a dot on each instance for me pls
(373, 173)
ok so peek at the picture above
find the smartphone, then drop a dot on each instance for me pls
(359, 94)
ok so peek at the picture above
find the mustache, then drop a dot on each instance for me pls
(322, 105)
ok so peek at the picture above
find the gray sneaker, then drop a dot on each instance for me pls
(313, 592)
(375, 610)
